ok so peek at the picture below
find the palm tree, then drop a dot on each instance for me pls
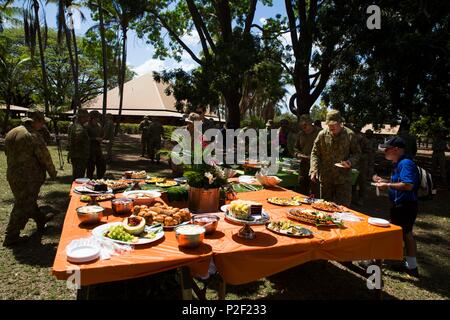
(8, 13)
(101, 26)
(124, 13)
(9, 79)
(65, 13)
(32, 28)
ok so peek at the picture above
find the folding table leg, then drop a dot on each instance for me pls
(185, 282)
(222, 289)
(83, 293)
(379, 292)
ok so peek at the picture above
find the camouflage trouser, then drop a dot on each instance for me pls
(109, 149)
(307, 187)
(145, 144)
(96, 161)
(370, 165)
(25, 207)
(339, 193)
(153, 147)
(79, 168)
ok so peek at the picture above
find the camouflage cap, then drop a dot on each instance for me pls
(34, 114)
(193, 117)
(333, 117)
(83, 113)
(94, 114)
(305, 118)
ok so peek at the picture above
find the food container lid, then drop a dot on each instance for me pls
(122, 200)
(190, 229)
(85, 209)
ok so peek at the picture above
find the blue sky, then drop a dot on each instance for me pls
(139, 55)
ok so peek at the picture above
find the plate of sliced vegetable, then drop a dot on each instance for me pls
(284, 201)
(288, 228)
(117, 232)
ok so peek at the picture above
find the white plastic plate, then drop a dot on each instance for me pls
(378, 222)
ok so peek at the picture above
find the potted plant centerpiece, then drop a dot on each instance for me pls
(204, 182)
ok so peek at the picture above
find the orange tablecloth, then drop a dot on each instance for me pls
(144, 260)
(238, 261)
(241, 261)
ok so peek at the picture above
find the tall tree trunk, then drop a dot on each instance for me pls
(104, 60)
(5, 121)
(77, 68)
(41, 55)
(232, 99)
(72, 66)
(122, 71)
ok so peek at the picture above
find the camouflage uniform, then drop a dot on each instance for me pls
(28, 160)
(109, 130)
(155, 132)
(46, 136)
(96, 158)
(144, 127)
(304, 146)
(79, 149)
(336, 184)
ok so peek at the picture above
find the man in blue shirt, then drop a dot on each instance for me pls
(402, 187)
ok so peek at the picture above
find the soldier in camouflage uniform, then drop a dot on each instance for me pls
(79, 145)
(109, 130)
(144, 128)
(28, 160)
(96, 158)
(305, 142)
(155, 134)
(334, 144)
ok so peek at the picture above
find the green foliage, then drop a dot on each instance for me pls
(428, 126)
(177, 193)
(197, 176)
(253, 122)
(129, 128)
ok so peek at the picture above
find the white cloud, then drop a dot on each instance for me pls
(191, 39)
(263, 21)
(151, 65)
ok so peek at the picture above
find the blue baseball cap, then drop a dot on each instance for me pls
(394, 142)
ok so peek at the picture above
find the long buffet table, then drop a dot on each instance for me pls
(238, 261)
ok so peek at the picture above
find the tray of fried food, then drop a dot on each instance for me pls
(114, 185)
(314, 217)
(155, 180)
(168, 216)
(327, 206)
(283, 201)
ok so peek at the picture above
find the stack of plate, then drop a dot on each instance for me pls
(82, 250)
(378, 222)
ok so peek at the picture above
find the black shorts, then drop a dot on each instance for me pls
(404, 215)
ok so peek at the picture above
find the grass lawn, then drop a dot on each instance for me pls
(25, 271)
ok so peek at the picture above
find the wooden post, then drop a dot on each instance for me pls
(222, 289)
(185, 282)
(379, 263)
